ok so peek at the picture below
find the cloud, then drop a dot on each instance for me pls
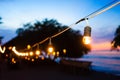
(104, 34)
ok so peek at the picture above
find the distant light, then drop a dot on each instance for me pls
(6, 55)
(36, 57)
(53, 53)
(28, 58)
(32, 60)
(58, 53)
(42, 58)
(13, 60)
(64, 51)
(28, 46)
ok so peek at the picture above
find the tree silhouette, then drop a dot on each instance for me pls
(116, 41)
(70, 40)
(0, 20)
(1, 37)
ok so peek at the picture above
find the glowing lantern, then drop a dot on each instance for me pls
(87, 35)
(50, 47)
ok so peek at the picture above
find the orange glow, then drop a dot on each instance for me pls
(31, 53)
(13, 60)
(106, 45)
(58, 53)
(37, 52)
(64, 51)
(28, 59)
(28, 46)
(53, 53)
(32, 60)
(50, 49)
(42, 58)
(36, 57)
(25, 57)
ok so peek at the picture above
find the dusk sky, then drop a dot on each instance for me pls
(15, 13)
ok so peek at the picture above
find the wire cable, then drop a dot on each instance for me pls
(99, 11)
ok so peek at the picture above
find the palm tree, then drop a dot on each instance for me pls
(116, 41)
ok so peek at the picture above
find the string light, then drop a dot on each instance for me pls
(64, 51)
(37, 52)
(2, 50)
(50, 47)
(31, 53)
(86, 38)
(87, 34)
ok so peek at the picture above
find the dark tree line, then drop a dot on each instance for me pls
(1, 37)
(70, 40)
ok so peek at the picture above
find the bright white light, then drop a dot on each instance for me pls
(87, 40)
(2, 50)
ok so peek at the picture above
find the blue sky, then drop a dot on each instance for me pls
(15, 13)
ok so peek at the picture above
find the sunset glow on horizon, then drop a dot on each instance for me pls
(106, 45)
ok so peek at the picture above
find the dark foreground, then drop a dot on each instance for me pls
(51, 72)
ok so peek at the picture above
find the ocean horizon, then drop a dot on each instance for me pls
(104, 61)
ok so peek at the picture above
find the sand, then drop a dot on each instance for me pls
(51, 72)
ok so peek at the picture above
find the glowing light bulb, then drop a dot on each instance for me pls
(37, 52)
(50, 49)
(31, 53)
(87, 35)
(87, 40)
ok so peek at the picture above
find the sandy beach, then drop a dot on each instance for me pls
(51, 72)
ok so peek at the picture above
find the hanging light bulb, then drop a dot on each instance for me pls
(37, 51)
(28, 46)
(87, 34)
(50, 47)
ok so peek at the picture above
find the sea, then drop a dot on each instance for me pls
(104, 61)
